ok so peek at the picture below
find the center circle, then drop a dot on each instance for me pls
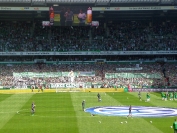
(137, 111)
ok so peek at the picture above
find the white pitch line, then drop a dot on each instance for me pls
(54, 116)
(6, 112)
(62, 116)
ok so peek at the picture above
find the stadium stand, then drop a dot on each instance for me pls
(41, 50)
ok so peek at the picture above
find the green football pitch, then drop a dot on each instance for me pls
(62, 113)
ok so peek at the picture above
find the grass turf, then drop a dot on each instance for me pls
(62, 112)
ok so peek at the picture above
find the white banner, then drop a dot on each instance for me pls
(67, 85)
(129, 69)
(91, 73)
(138, 8)
(92, 53)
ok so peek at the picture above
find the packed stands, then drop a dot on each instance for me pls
(8, 78)
(125, 36)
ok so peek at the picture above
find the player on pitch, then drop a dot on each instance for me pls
(130, 112)
(148, 98)
(33, 106)
(175, 126)
(139, 95)
(174, 95)
(99, 97)
(83, 105)
(171, 96)
(163, 95)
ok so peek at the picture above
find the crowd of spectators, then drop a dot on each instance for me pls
(124, 36)
(7, 78)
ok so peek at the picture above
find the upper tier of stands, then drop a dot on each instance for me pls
(123, 36)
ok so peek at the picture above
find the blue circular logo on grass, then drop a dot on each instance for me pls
(137, 111)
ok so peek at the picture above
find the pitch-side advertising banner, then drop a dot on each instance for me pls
(66, 85)
(91, 53)
(153, 90)
(138, 8)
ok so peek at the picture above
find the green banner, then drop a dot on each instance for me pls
(33, 74)
(51, 74)
(133, 75)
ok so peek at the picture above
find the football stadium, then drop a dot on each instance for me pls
(88, 66)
